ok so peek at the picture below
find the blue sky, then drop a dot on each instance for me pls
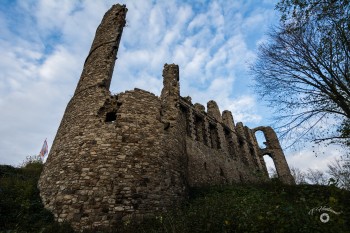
(45, 42)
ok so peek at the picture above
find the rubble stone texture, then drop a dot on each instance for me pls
(134, 154)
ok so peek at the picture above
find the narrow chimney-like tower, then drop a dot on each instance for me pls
(99, 64)
(69, 186)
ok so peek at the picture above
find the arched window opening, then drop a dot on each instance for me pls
(270, 165)
(260, 137)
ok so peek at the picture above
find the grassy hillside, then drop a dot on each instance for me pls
(261, 208)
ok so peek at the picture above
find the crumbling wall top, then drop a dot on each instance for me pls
(213, 110)
(103, 50)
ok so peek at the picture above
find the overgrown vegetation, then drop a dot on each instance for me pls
(270, 207)
(21, 209)
(257, 208)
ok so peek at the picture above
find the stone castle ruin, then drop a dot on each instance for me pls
(135, 154)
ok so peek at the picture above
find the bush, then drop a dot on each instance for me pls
(21, 209)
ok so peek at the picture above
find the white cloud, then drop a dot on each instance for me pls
(60, 60)
(197, 23)
(314, 157)
(243, 109)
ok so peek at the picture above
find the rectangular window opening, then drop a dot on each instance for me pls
(215, 142)
(230, 143)
(111, 116)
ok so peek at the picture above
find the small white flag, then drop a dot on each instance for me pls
(44, 150)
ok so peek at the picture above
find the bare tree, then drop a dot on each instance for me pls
(339, 170)
(299, 176)
(303, 70)
(315, 176)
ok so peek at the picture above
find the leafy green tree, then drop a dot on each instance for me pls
(303, 70)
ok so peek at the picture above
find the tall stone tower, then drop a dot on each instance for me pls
(134, 154)
(108, 161)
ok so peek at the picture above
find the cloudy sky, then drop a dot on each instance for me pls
(45, 42)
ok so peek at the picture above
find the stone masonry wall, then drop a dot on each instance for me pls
(134, 154)
(108, 162)
(215, 155)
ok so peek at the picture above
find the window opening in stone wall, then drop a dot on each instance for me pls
(215, 143)
(270, 165)
(185, 117)
(205, 166)
(111, 116)
(229, 141)
(240, 141)
(199, 128)
(222, 172)
(260, 137)
(204, 132)
(251, 150)
(241, 179)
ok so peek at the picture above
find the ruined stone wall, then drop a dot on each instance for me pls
(218, 152)
(100, 172)
(274, 150)
(134, 154)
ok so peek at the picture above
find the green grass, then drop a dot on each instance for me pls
(270, 207)
(261, 208)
